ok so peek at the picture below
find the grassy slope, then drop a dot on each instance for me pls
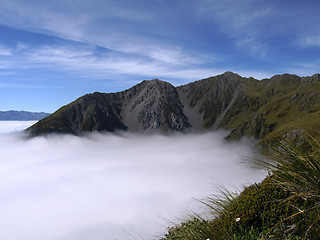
(263, 109)
(271, 209)
(90, 112)
(275, 107)
(285, 205)
(264, 211)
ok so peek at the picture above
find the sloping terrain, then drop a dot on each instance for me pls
(151, 106)
(282, 105)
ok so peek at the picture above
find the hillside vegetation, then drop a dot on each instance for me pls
(278, 112)
(284, 206)
(282, 106)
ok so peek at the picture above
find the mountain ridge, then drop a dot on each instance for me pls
(13, 115)
(263, 109)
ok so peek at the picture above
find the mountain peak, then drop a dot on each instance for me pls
(153, 105)
(315, 77)
(229, 101)
(225, 80)
(230, 74)
(157, 82)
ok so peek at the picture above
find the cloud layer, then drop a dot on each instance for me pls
(110, 186)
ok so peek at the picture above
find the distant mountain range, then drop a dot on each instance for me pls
(284, 105)
(21, 115)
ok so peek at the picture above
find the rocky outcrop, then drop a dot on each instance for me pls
(151, 106)
(255, 126)
(92, 112)
(210, 98)
(264, 109)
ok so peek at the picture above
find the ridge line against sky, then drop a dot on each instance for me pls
(52, 52)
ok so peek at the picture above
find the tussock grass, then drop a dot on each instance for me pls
(283, 206)
(297, 168)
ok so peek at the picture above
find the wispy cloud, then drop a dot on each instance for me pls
(178, 41)
(104, 23)
(87, 61)
(310, 40)
(83, 60)
(5, 51)
(263, 29)
(305, 68)
(243, 22)
(109, 27)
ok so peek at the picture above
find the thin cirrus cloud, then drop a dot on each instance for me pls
(263, 28)
(311, 40)
(163, 64)
(5, 51)
(104, 25)
(141, 28)
(245, 29)
(111, 186)
(107, 46)
(85, 59)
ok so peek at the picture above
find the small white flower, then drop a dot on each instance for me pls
(238, 219)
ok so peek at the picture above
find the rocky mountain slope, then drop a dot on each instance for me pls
(151, 106)
(21, 115)
(282, 105)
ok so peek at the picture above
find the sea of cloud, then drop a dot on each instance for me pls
(110, 186)
(12, 126)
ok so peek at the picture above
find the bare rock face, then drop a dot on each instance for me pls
(264, 109)
(92, 112)
(212, 98)
(153, 106)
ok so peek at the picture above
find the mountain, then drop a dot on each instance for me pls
(284, 105)
(149, 106)
(22, 115)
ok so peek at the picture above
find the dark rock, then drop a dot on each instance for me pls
(265, 109)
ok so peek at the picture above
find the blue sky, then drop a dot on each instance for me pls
(52, 52)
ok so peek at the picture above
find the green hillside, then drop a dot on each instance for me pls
(280, 106)
(283, 113)
(284, 105)
(285, 205)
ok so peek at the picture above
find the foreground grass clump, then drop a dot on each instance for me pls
(284, 206)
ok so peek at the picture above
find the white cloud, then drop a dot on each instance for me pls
(304, 68)
(86, 61)
(139, 38)
(245, 22)
(5, 51)
(255, 74)
(110, 186)
(235, 17)
(108, 24)
(310, 40)
(12, 126)
(94, 24)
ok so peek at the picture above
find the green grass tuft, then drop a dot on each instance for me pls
(283, 206)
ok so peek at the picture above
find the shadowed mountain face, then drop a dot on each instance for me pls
(269, 108)
(151, 106)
